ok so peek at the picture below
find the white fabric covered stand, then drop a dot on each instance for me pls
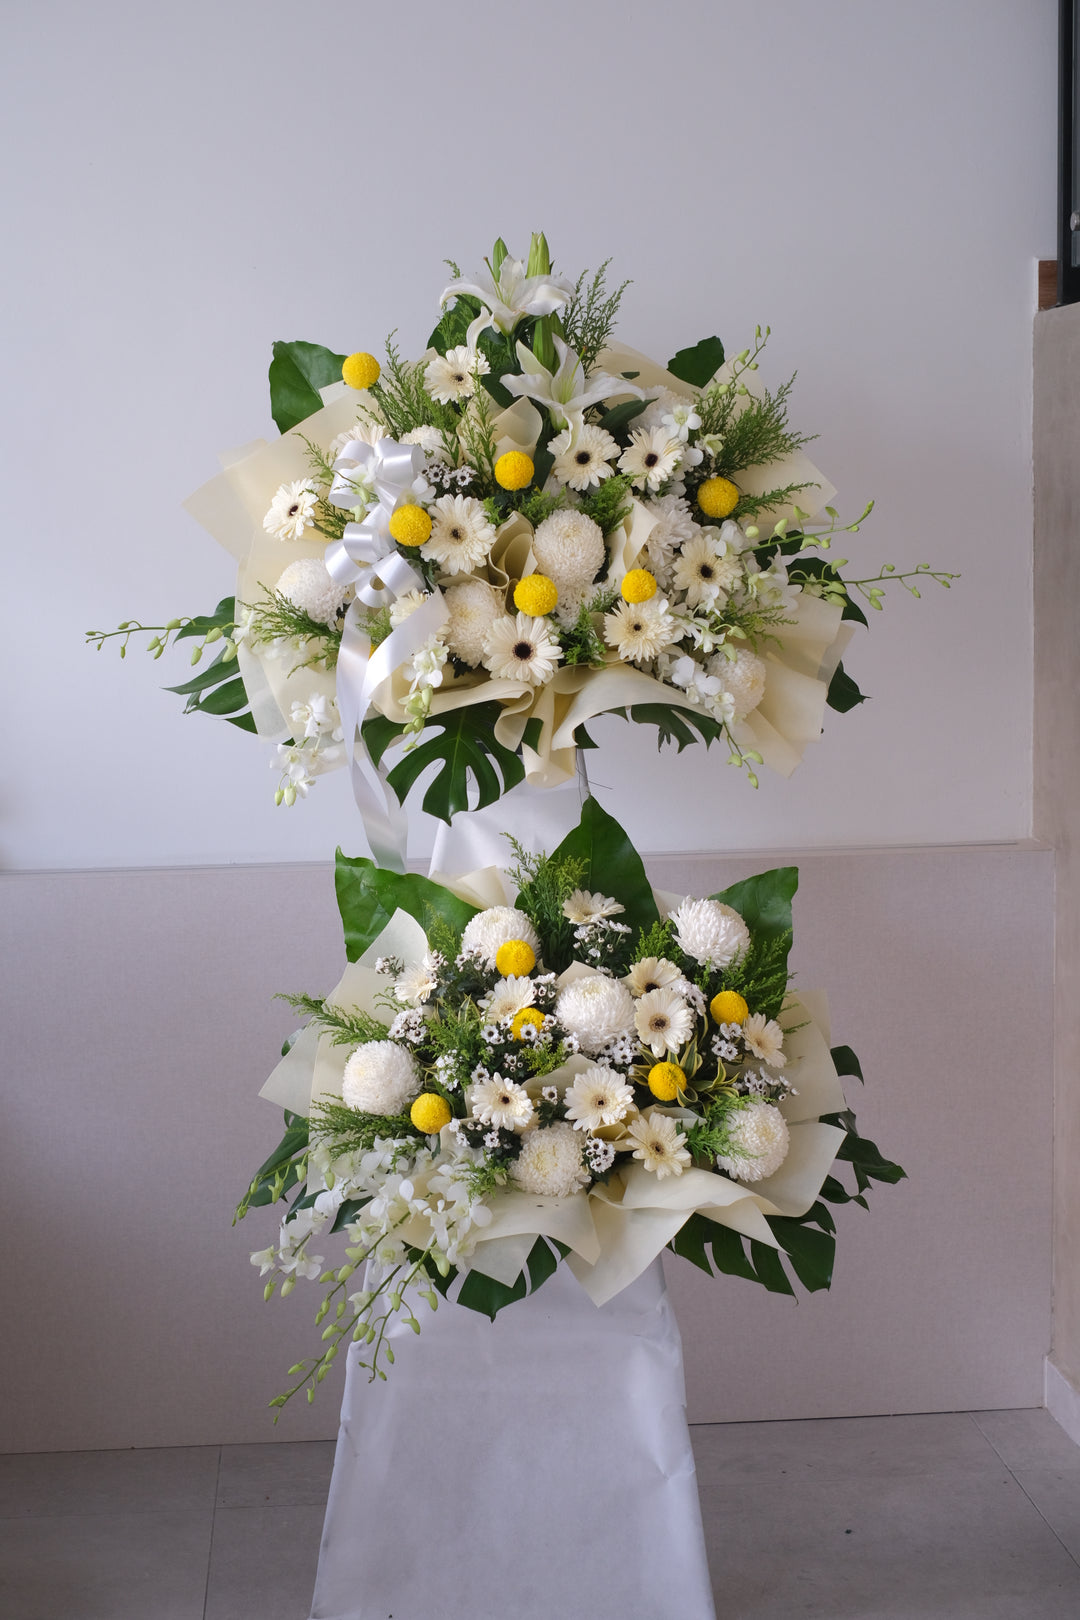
(533, 1467)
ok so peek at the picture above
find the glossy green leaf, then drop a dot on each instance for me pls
(543, 1263)
(208, 675)
(246, 722)
(223, 614)
(810, 1251)
(462, 744)
(729, 1253)
(612, 864)
(368, 895)
(379, 733)
(764, 901)
(845, 1062)
(222, 700)
(770, 1268)
(297, 372)
(843, 694)
(681, 726)
(698, 365)
(620, 416)
(484, 1294)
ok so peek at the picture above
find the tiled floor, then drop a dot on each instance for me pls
(965, 1516)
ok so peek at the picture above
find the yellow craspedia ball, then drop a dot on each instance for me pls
(718, 497)
(515, 958)
(430, 1113)
(728, 1007)
(666, 1081)
(360, 370)
(514, 470)
(527, 1015)
(638, 585)
(410, 525)
(536, 595)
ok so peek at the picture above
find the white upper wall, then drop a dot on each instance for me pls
(186, 184)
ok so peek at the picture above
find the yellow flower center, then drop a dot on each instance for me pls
(638, 585)
(527, 1015)
(536, 595)
(515, 958)
(360, 370)
(666, 1080)
(430, 1113)
(728, 1007)
(410, 525)
(514, 470)
(718, 497)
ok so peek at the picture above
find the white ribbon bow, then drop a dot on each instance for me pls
(389, 469)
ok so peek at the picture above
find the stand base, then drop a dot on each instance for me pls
(536, 1466)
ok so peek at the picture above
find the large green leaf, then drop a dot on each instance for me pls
(674, 724)
(368, 895)
(843, 694)
(482, 1293)
(465, 745)
(764, 901)
(612, 864)
(698, 365)
(810, 1252)
(297, 372)
(224, 614)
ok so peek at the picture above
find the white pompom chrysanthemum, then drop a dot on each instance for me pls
(569, 549)
(710, 932)
(744, 677)
(672, 528)
(496, 926)
(551, 1162)
(309, 586)
(759, 1137)
(380, 1078)
(595, 1009)
(472, 606)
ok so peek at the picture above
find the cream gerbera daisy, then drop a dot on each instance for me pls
(651, 457)
(659, 1144)
(461, 534)
(292, 510)
(521, 649)
(663, 1020)
(639, 631)
(501, 1103)
(507, 997)
(598, 1097)
(453, 375)
(359, 433)
(583, 461)
(651, 973)
(584, 907)
(419, 982)
(765, 1039)
(704, 573)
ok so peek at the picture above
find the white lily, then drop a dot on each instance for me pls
(566, 392)
(509, 296)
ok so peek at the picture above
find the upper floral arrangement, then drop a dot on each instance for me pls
(477, 551)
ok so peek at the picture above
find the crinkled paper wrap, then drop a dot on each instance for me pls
(801, 656)
(615, 1229)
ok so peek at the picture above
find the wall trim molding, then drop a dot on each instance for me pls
(1063, 1401)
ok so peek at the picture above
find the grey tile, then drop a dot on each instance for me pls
(263, 1563)
(105, 1566)
(819, 1450)
(43, 1483)
(1029, 1438)
(952, 1545)
(1056, 1494)
(295, 1473)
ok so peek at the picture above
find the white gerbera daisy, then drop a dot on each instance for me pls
(598, 1097)
(309, 586)
(583, 461)
(595, 1009)
(663, 1020)
(461, 534)
(651, 457)
(760, 1140)
(765, 1039)
(710, 932)
(704, 573)
(639, 631)
(500, 1103)
(551, 1162)
(569, 549)
(659, 1144)
(507, 997)
(743, 678)
(651, 973)
(521, 649)
(359, 433)
(419, 982)
(380, 1078)
(497, 926)
(292, 510)
(453, 375)
(471, 607)
(584, 907)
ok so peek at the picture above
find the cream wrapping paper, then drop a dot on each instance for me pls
(536, 1466)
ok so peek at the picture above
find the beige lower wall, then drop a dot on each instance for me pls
(138, 1027)
(1057, 772)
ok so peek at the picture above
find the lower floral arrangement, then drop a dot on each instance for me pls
(554, 1062)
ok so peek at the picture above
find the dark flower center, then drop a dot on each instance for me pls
(456, 533)
(583, 458)
(651, 459)
(294, 508)
(706, 571)
(459, 376)
(523, 650)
